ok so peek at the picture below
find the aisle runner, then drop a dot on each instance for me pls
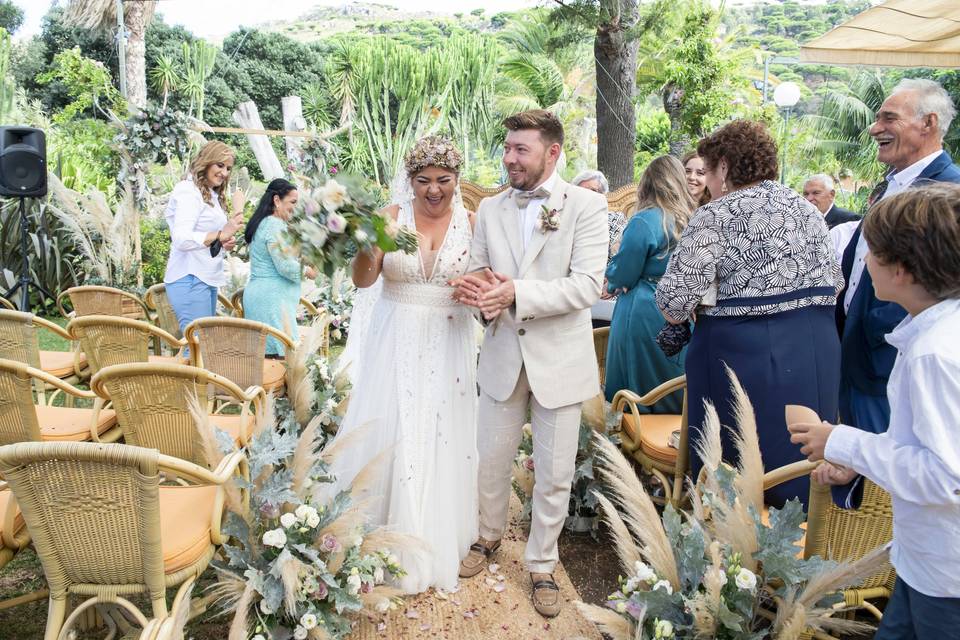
(485, 607)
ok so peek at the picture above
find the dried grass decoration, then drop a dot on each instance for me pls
(717, 571)
(337, 219)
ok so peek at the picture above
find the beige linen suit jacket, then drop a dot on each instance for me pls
(557, 279)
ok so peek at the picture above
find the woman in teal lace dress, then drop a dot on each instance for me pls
(273, 292)
(634, 361)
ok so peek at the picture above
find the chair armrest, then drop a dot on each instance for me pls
(64, 386)
(63, 312)
(788, 472)
(280, 335)
(52, 327)
(310, 307)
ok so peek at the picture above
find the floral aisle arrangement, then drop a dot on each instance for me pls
(317, 387)
(334, 294)
(338, 218)
(717, 571)
(582, 515)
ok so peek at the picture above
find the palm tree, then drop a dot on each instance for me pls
(102, 15)
(165, 76)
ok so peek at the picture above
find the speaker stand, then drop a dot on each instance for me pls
(25, 282)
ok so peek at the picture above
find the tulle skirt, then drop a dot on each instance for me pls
(413, 414)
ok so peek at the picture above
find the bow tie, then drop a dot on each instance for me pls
(523, 198)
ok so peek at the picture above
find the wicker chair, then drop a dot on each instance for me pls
(21, 420)
(646, 437)
(109, 340)
(104, 528)
(19, 341)
(622, 199)
(845, 534)
(6, 304)
(164, 316)
(152, 405)
(91, 300)
(13, 532)
(234, 348)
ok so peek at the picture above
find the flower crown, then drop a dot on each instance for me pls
(432, 151)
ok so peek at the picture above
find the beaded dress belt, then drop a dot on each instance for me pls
(432, 295)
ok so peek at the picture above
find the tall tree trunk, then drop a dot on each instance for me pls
(136, 17)
(672, 98)
(616, 61)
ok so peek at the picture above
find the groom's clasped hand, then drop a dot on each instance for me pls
(488, 291)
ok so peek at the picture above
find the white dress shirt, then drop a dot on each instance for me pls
(530, 216)
(897, 181)
(917, 460)
(190, 220)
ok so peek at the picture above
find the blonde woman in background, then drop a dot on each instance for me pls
(201, 233)
(634, 361)
(696, 178)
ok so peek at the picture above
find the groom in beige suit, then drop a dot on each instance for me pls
(536, 267)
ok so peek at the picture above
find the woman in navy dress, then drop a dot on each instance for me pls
(766, 253)
(634, 361)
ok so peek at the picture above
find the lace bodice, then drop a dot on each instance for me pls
(422, 277)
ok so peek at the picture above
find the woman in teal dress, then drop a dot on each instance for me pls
(273, 292)
(634, 361)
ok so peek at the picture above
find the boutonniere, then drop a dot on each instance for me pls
(549, 219)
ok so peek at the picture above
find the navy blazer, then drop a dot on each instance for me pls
(866, 358)
(836, 216)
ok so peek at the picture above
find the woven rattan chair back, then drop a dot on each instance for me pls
(231, 347)
(152, 402)
(236, 301)
(91, 300)
(110, 340)
(157, 300)
(94, 515)
(6, 304)
(18, 337)
(18, 417)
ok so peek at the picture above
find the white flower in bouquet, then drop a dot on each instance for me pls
(621, 606)
(378, 575)
(353, 584)
(300, 633)
(664, 629)
(288, 520)
(259, 636)
(643, 572)
(305, 513)
(336, 223)
(308, 621)
(630, 586)
(528, 430)
(333, 195)
(265, 608)
(746, 579)
(393, 560)
(665, 585)
(275, 538)
(360, 236)
(315, 234)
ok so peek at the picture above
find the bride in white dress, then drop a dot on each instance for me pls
(414, 378)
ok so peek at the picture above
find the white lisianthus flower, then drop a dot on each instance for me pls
(643, 572)
(333, 195)
(265, 608)
(288, 520)
(353, 584)
(663, 584)
(630, 586)
(331, 404)
(313, 520)
(336, 223)
(664, 629)
(360, 235)
(621, 606)
(275, 538)
(304, 512)
(300, 633)
(308, 621)
(378, 575)
(746, 579)
(258, 637)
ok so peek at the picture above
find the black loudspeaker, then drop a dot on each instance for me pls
(23, 162)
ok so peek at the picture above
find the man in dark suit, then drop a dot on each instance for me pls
(909, 130)
(819, 191)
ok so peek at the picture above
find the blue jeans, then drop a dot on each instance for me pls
(191, 298)
(911, 615)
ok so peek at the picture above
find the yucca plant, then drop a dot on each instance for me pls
(165, 76)
(717, 571)
(198, 61)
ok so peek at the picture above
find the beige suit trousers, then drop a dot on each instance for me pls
(555, 437)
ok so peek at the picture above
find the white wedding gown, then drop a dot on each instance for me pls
(415, 395)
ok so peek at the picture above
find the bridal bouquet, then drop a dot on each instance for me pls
(337, 219)
(717, 571)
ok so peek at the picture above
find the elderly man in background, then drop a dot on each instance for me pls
(819, 191)
(909, 131)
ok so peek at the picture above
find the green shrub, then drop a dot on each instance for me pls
(155, 248)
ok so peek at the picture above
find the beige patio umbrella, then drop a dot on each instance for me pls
(897, 33)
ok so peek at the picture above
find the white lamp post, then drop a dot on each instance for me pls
(786, 95)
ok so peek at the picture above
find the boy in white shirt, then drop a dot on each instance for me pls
(914, 260)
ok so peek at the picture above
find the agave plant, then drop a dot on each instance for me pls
(717, 571)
